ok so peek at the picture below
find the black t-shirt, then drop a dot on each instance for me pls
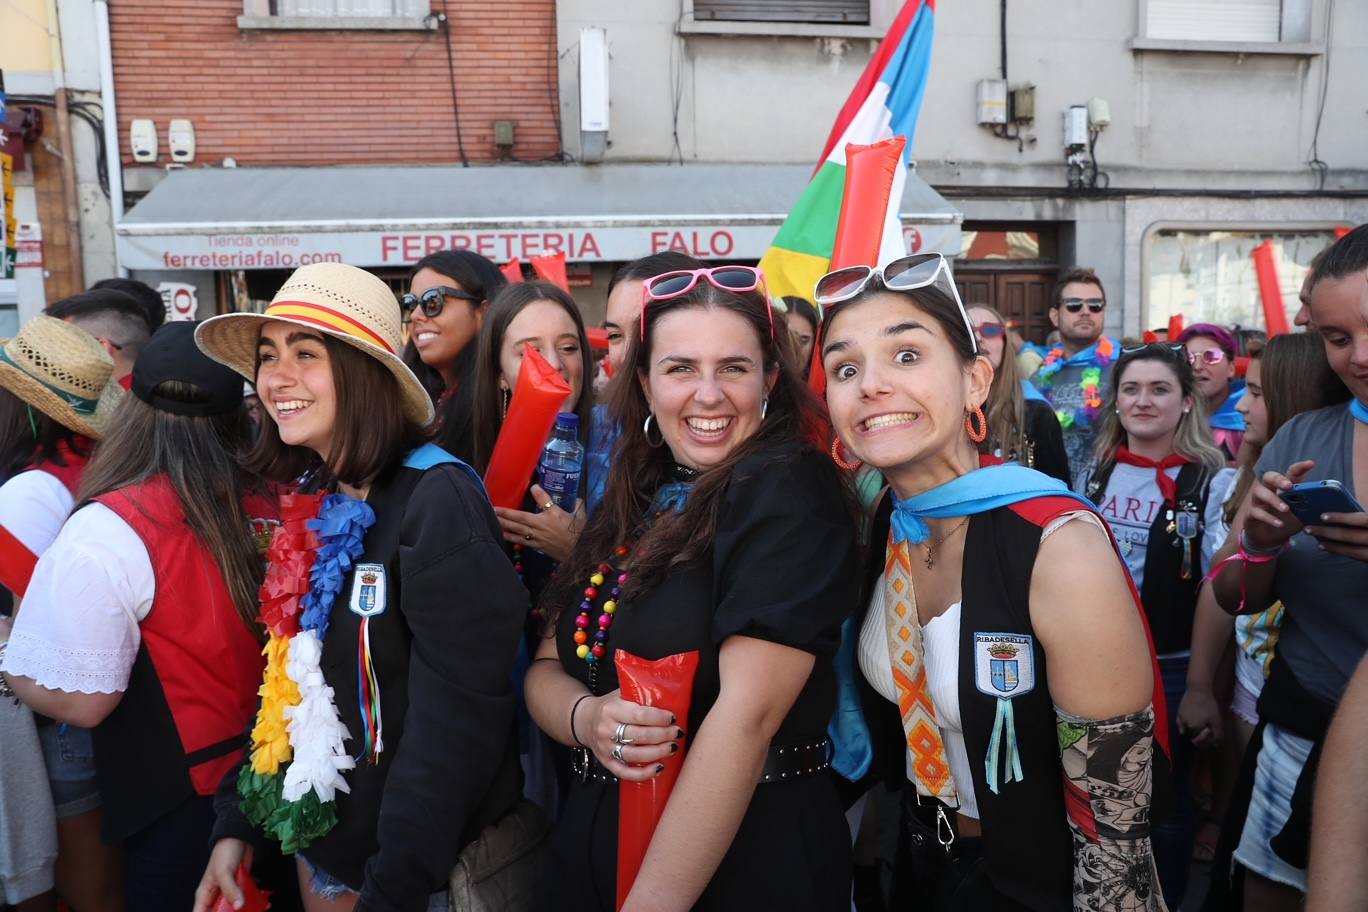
(782, 568)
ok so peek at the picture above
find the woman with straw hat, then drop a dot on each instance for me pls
(138, 620)
(56, 398)
(400, 651)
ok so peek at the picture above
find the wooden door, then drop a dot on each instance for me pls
(1021, 297)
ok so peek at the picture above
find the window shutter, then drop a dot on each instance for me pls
(352, 8)
(1214, 20)
(849, 12)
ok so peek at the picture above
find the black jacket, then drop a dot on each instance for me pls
(443, 651)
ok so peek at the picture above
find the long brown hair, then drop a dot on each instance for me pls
(490, 404)
(1295, 378)
(1006, 405)
(1192, 437)
(638, 469)
(197, 455)
(371, 433)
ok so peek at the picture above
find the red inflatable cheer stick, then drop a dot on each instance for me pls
(512, 271)
(254, 899)
(540, 393)
(1270, 293)
(551, 268)
(668, 684)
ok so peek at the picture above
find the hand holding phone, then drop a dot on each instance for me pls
(1312, 499)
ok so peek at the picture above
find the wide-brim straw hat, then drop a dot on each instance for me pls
(345, 302)
(64, 372)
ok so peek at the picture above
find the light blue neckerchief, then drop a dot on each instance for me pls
(1029, 392)
(978, 492)
(1227, 417)
(1359, 409)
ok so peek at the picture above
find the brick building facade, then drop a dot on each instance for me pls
(354, 95)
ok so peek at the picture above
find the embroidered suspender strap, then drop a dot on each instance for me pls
(930, 764)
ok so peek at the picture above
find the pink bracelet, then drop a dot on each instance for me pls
(1245, 558)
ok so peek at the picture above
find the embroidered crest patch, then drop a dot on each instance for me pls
(368, 590)
(1004, 664)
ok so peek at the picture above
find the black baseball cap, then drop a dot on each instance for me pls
(171, 354)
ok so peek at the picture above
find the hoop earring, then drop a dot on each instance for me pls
(646, 432)
(507, 397)
(764, 408)
(836, 457)
(980, 435)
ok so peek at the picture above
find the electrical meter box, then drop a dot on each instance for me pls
(180, 137)
(142, 140)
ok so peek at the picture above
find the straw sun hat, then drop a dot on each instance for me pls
(64, 372)
(347, 303)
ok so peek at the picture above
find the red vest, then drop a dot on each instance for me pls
(206, 662)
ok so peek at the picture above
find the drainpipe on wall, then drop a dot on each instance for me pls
(113, 160)
(73, 212)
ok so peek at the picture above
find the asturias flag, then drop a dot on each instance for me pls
(885, 103)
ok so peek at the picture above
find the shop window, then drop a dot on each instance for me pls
(847, 12)
(336, 14)
(1209, 277)
(1007, 244)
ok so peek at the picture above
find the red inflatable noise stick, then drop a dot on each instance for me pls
(668, 684)
(254, 899)
(538, 397)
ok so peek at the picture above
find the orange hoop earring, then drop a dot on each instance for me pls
(980, 435)
(836, 457)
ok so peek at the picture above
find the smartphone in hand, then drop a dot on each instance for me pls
(1310, 499)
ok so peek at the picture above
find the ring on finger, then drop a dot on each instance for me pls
(617, 754)
(548, 505)
(528, 536)
(620, 734)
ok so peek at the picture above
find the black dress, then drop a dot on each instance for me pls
(1045, 440)
(783, 569)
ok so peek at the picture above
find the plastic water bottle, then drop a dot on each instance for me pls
(562, 462)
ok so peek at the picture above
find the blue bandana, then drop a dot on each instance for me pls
(1359, 410)
(977, 492)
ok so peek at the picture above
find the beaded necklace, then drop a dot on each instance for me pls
(592, 648)
(1090, 380)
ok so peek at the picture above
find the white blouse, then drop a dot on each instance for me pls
(77, 629)
(33, 506)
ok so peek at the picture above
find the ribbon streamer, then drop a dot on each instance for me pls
(1004, 728)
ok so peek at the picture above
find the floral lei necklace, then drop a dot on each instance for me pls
(1090, 380)
(295, 771)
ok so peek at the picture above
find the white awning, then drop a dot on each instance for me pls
(280, 218)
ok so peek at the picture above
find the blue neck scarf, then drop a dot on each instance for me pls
(1359, 410)
(673, 495)
(977, 492)
(1227, 418)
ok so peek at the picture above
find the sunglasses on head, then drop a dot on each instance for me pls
(433, 300)
(906, 274)
(1172, 349)
(991, 330)
(1074, 305)
(670, 285)
(1209, 356)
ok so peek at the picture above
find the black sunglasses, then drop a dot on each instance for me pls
(1074, 305)
(433, 300)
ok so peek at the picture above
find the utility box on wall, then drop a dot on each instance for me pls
(593, 93)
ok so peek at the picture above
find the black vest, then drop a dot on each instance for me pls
(1170, 599)
(1026, 839)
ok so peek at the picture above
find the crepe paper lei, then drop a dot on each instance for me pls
(298, 750)
(1090, 380)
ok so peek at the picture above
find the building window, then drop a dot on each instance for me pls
(336, 14)
(1208, 24)
(1209, 277)
(845, 12)
(349, 8)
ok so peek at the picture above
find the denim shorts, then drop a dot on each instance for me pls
(325, 886)
(1275, 779)
(69, 754)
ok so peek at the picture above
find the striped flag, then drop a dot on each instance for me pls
(884, 103)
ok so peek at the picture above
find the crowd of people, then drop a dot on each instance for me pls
(973, 623)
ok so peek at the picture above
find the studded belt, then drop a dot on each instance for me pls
(782, 763)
